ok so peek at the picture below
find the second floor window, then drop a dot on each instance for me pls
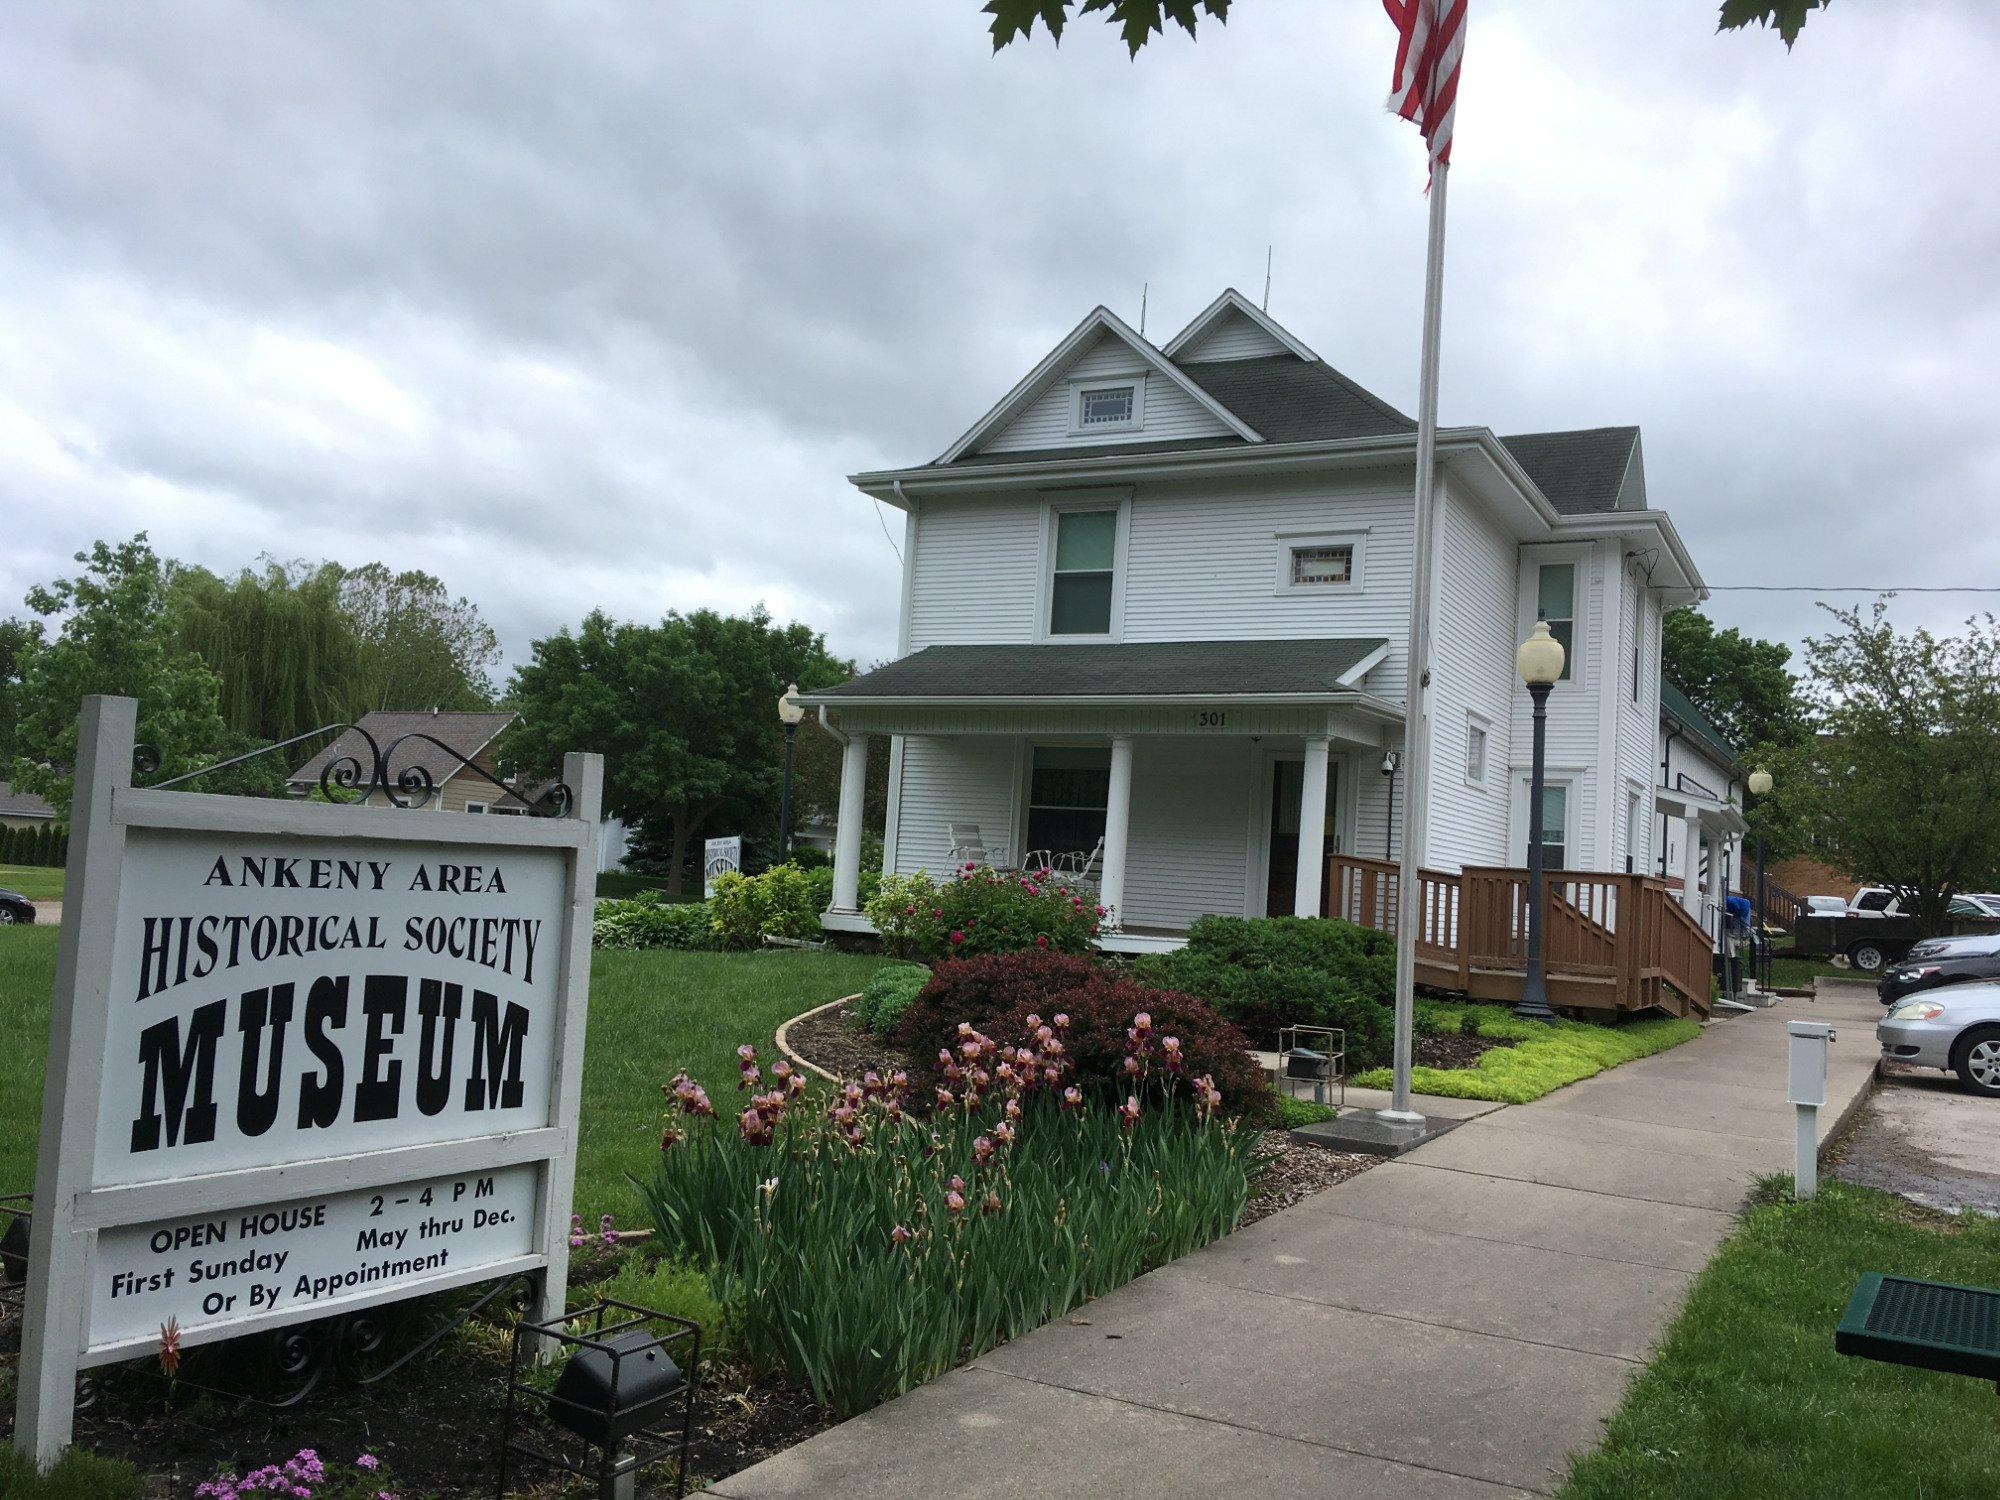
(1106, 406)
(1556, 599)
(1085, 556)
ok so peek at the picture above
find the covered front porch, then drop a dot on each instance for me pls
(1183, 779)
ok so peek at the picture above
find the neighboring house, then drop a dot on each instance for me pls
(453, 788)
(1159, 596)
(1700, 803)
(24, 809)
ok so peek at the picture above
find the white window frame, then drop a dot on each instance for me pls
(1570, 779)
(1533, 559)
(1479, 724)
(1058, 504)
(1289, 541)
(1077, 389)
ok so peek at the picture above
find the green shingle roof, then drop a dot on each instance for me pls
(1580, 472)
(1135, 669)
(1675, 704)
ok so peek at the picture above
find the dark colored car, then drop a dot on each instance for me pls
(1964, 960)
(15, 907)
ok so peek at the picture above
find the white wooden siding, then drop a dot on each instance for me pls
(944, 781)
(1472, 672)
(1573, 729)
(974, 575)
(1639, 722)
(1169, 411)
(1232, 336)
(1191, 811)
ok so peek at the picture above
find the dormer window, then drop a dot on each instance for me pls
(1108, 405)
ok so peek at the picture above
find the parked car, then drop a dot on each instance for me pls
(1874, 901)
(1956, 1029)
(1982, 903)
(1956, 961)
(15, 907)
(1826, 906)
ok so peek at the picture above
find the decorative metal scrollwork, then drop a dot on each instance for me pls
(355, 774)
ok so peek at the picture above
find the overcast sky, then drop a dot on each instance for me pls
(580, 305)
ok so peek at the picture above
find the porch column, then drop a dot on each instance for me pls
(1717, 896)
(1117, 829)
(847, 831)
(1312, 830)
(1691, 865)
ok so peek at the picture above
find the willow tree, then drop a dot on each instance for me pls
(289, 657)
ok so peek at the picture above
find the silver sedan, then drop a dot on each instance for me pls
(1956, 1028)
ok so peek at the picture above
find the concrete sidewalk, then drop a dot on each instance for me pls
(1453, 1323)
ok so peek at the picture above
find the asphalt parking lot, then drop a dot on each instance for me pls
(1921, 1135)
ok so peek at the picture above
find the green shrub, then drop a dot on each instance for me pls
(78, 1475)
(646, 921)
(675, 1288)
(888, 994)
(982, 911)
(1294, 1112)
(1544, 1057)
(1266, 973)
(869, 1252)
(785, 901)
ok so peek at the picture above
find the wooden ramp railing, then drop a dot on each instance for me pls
(1616, 942)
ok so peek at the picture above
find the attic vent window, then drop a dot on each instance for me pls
(1322, 567)
(1107, 406)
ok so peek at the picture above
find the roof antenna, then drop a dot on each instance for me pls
(1144, 288)
(1267, 279)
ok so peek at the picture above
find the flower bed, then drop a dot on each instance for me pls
(1542, 1057)
(983, 911)
(866, 1252)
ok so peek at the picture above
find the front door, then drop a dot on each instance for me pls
(1281, 884)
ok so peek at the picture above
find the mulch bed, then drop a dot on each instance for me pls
(1450, 1049)
(1296, 1172)
(834, 1040)
(435, 1424)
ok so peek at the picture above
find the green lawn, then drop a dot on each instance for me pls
(1797, 973)
(36, 882)
(1543, 1059)
(1747, 1398)
(650, 1013)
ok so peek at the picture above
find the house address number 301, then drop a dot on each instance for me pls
(1212, 718)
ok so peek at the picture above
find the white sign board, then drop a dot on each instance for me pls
(303, 1058)
(719, 857)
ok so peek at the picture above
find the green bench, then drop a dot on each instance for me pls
(1933, 1325)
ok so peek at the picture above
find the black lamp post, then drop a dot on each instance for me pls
(1760, 948)
(790, 712)
(1390, 761)
(1540, 663)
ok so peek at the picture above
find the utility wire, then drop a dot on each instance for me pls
(1855, 588)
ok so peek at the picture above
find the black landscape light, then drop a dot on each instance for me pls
(618, 1385)
(16, 1209)
(1319, 1066)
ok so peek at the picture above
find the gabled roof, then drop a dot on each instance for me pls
(467, 733)
(1676, 705)
(1302, 668)
(1582, 472)
(1292, 401)
(1234, 303)
(15, 804)
(1101, 322)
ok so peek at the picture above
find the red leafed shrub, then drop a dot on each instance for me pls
(997, 994)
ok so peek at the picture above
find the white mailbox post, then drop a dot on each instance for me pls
(1806, 1089)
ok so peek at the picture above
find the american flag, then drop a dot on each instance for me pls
(1430, 40)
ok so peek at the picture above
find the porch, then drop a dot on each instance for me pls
(1616, 942)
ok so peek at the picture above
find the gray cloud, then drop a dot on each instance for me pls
(597, 305)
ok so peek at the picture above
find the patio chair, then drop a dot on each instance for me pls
(968, 846)
(1080, 866)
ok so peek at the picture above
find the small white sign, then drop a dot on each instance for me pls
(305, 1258)
(719, 857)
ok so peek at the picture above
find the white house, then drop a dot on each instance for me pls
(1159, 596)
(1700, 803)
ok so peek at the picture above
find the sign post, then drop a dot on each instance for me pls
(303, 1059)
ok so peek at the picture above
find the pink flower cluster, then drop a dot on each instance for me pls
(980, 1065)
(296, 1476)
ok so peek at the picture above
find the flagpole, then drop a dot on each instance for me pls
(1416, 688)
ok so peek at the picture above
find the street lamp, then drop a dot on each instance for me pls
(790, 712)
(1540, 663)
(1390, 761)
(1760, 947)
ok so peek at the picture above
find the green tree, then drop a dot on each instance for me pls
(112, 638)
(1905, 776)
(683, 712)
(1139, 21)
(17, 639)
(288, 655)
(1744, 685)
(420, 647)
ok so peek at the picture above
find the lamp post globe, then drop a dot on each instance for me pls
(790, 712)
(1539, 660)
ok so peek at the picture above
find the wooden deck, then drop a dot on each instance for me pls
(1609, 942)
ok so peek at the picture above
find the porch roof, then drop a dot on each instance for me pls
(1307, 670)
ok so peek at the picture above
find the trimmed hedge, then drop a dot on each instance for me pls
(888, 994)
(649, 922)
(1265, 973)
(997, 993)
(46, 846)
